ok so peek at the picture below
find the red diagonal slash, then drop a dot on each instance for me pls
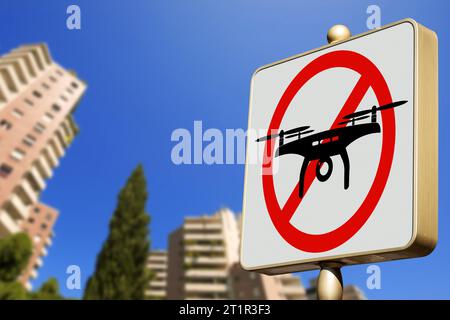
(350, 106)
(370, 77)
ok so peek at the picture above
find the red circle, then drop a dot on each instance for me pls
(281, 216)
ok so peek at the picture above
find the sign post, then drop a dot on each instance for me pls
(330, 285)
(348, 149)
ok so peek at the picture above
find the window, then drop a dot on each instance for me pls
(31, 220)
(29, 102)
(49, 217)
(17, 113)
(39, 127)
(17, 154)
(36, 210)
(63, 98)
(29, 140)
(52, 79)
(56, 107)
(43, 226)
(59, 72)
(69, 90)
(37, 94)
(5, 170)
(5, 124)
(45, 85)
(47, 117)
(74, 85)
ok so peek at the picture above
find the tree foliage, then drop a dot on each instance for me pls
(15, 251)
(49, 290)
(120, 271)
(13, 291)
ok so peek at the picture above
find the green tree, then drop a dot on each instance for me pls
(12, 291)
(49, 290)
(120, 271)
(15, 251)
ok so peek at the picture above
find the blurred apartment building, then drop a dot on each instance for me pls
(37, 99)
(203, 263)
(39, 227)
(157, 263)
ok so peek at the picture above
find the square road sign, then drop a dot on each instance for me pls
(345, 139)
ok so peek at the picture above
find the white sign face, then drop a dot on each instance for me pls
(344, 189)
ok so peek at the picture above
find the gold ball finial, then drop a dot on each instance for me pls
(337, 33)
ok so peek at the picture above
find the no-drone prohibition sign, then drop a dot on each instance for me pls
(348, 170)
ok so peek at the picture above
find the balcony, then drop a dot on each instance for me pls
(61, 137)
(202, 219)
(72, 125)
(39, 262)
(51, 156)
(7, 224)
(205, 260)
(17, 208)
(36, 178)
(211, 237)
(203, 248)
(68, 131)
(44, 168)
(207, 273)
(157, 283)
(156, 266)
(202, 226)
(206, 287)
(28, 286)
(157, 258)
(58, 147)
(161, 275)
(33, 274)
(293, 291)
(28, 191)
(155, 293)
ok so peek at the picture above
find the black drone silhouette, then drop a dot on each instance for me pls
(323, 145)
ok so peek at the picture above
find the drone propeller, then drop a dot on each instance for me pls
(267, 137)
(381, 108)
(354, 119)
(288, 132)
(299, 129)
(296, 134)
(306, 132)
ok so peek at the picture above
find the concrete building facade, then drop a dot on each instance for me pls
(157, 263)
(39, 226)
(37, 99)
(203, 263)
(201, 253)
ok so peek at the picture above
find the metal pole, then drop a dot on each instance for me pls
(330, 284)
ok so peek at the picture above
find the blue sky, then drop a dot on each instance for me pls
(153, 66)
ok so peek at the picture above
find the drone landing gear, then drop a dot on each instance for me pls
(324, 177)
(346, 161)
(302, 177)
